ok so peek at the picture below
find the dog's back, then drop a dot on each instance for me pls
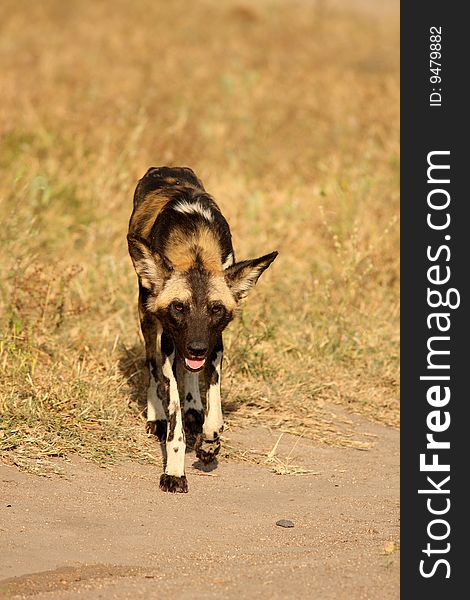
(179, 220)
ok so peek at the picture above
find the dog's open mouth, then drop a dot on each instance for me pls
(194, 364)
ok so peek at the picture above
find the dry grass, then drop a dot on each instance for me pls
(281, 464)
(288, 111)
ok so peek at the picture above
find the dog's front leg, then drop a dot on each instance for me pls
(193, 410)
(208, 444)
(173, 479)
(156, 395)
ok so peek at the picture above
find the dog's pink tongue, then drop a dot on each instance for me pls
(194, 363)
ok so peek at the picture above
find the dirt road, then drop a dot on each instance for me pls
(111, 533)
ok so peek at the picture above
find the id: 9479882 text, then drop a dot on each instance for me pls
(435, 65)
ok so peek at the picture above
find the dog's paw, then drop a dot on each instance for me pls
(157, 428)
(207, 450)
(174, 484)
(193, 420)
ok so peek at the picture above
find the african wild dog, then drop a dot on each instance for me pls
(189, 286)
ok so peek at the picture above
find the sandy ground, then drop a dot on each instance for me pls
(111, 533)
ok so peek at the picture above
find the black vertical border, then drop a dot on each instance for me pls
(425, 129)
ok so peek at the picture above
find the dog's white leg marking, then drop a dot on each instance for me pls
(155, 394)
(208, 444)
(214, 421)
(193, 410)
(175, 440)
(192, 395)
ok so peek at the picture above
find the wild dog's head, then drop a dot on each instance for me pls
(195, 305)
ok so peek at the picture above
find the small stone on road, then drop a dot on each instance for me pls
(285, 523)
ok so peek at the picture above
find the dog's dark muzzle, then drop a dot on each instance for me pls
(196, 353)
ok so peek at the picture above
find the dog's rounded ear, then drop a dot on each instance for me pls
(152, 268)
(243, 275)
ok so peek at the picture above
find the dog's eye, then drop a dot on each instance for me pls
(217, 309)
(178, 306)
